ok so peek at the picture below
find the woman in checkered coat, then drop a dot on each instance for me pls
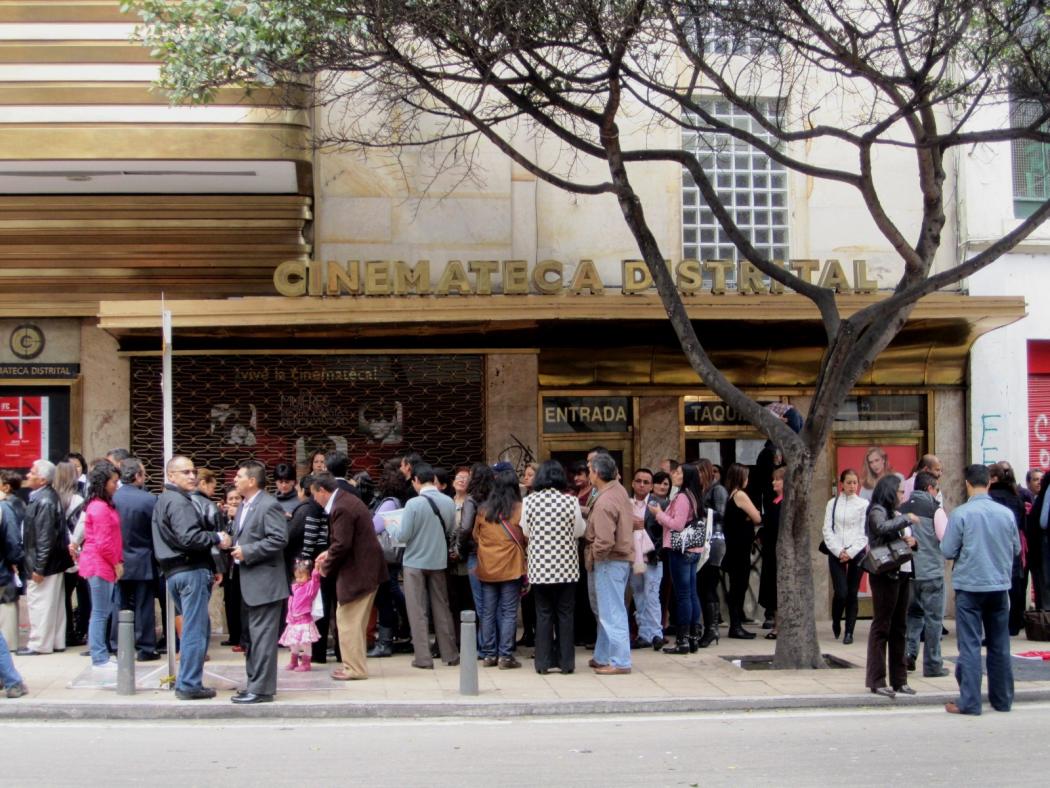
(553, 524)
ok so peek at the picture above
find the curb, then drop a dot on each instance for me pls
(14, 710)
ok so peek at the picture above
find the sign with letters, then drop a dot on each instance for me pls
(586, 414)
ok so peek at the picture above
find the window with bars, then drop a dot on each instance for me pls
(1031, 163)
(752, 187)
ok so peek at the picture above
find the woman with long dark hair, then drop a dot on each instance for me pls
(684, 508)
(1003, 490)
(741, 517)
(501, 565)
(845, 539)
(67, 486)
(101, 561)
(715, 498)
(479, 485)
(889, 592)
(552, 523)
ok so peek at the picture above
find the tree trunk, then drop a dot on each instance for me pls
(797, 644)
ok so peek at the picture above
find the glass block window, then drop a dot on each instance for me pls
(727, 35)
(1031, 163)
(751, 185)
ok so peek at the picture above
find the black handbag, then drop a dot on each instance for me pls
(822, 546)
(884, 558)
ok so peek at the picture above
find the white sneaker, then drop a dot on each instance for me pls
(105, 669)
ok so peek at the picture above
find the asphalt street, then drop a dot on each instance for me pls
(798, 748)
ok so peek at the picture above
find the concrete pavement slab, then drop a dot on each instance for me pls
(659, 683)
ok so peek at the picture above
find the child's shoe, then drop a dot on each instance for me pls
(294, 664)
(304, 664)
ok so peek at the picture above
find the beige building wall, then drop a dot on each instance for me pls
(106, 397)
(510, 402)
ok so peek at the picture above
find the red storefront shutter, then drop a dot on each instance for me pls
(1039, 404)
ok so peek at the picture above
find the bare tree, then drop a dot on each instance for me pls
(919, 76)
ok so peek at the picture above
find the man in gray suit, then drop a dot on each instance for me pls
(260, 534)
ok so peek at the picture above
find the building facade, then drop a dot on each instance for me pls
(377, 305)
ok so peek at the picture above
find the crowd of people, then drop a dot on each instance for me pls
(558, 549)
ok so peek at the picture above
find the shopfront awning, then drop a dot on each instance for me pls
(763, 339)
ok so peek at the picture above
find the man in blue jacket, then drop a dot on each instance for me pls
(135, 589)
(982, 539)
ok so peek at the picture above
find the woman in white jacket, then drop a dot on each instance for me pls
(846, 540)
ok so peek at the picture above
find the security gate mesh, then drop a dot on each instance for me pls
(281, 408)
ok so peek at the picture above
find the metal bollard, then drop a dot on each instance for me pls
(126, 652)
(468, 653)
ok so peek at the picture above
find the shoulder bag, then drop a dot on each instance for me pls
(513, 538)
(822, 546)
(694, 535)
(884, 558)
(393, 552)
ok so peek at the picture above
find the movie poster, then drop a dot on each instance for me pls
(23, 431)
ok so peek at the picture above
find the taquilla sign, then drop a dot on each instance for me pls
(296, 278)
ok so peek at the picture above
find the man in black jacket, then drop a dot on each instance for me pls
(135, 589)
(183, 548)
(46, 539)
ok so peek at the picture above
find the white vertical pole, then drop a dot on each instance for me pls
(169, 451)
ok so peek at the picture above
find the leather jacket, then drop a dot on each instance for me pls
(181, 539)
(46, 535)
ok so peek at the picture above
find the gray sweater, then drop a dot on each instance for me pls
(982, 538)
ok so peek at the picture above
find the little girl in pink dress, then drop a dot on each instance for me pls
(300, 632)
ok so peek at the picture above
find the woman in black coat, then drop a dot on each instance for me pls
(889, 592)
(1003, 490)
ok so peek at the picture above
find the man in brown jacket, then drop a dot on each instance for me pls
(355, 557)
(609, 552)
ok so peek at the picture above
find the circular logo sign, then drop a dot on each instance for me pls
(27, 341)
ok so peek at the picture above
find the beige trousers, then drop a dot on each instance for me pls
(352, 619)
(47, 614)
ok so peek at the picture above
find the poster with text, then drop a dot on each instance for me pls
(23, 431)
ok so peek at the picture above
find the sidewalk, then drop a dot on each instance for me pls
(704, 681)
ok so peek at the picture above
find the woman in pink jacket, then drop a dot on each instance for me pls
(684, 508)
(101, 560)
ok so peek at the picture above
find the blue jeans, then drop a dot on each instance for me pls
(98, 624)
(191, 591)
(476, 592)
(926, 614)
(683, 581)
(990, 610)
(499, 626)
(8, 674)
(646, 590)
(613, 646)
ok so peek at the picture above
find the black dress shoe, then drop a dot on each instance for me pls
(847, 638)
(147, 656)
(229, 643)
(252, 697)
(904, 689)
(27, 652)
(740, 633)
(195, 694)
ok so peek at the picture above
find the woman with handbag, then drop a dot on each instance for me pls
(715, 498)
(501, 568)
(845, 540)
(552, 523)
(684, 509)
(889, 592)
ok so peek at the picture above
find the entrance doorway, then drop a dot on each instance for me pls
(570, 451)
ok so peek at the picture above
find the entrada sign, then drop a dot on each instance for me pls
(549, 277)
(586, 414)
